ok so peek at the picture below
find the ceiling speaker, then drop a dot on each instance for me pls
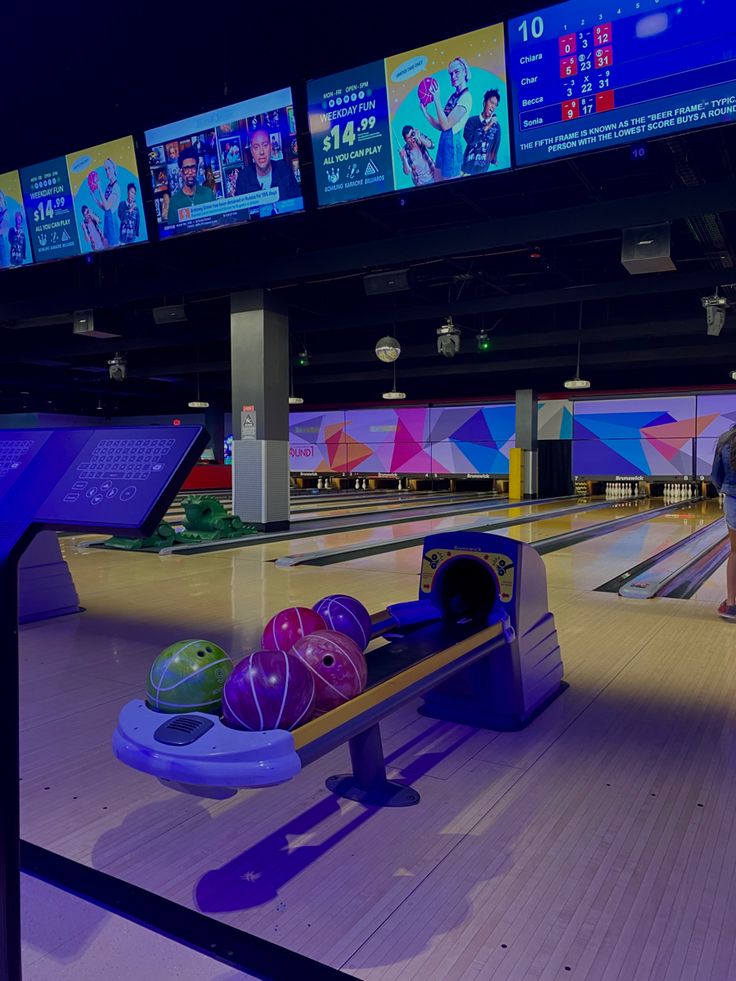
(647, 249)
(396, 281)
(84, 325)
(169, 315)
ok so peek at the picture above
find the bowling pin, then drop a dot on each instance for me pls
(365, 484)
(320, 485)
(357, 483)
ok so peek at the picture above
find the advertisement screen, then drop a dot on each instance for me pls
(588, 76)
(15, 245)
(49, 210)
(433, 114)
(88, 201)
(226, 167)
(106, 195)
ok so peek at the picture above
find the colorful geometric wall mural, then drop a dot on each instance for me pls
(716, 414)
(454, 439)
(554, 419)
(658, 436)
(649, 436)
(705, 449)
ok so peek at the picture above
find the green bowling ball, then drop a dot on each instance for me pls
(188, 677)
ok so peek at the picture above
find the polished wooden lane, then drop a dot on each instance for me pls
(520, 861)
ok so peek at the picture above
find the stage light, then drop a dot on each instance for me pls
(117, 368)
(448, 339)
(484, 342)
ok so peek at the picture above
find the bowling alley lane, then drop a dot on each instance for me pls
(585, 565)
(387, 533)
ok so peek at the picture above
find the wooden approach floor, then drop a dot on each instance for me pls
(599, 843)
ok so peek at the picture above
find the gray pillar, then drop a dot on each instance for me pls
(214, 423)
(259, 353)
(526, 437)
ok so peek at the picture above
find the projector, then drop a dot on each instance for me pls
(117, 368)
(715, 313)
(448, 339)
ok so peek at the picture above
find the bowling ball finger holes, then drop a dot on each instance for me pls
(328, 660)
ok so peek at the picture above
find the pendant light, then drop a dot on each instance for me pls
(294, 399)
(393, 395)
(577, 382)
(198, 403)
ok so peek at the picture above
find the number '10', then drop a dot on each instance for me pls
(537, 28)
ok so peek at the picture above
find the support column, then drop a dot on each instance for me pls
(214, 423)
(259, 352)
(526, 437)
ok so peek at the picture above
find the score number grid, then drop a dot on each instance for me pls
(587, 76)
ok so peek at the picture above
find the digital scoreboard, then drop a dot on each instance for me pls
(586, 76)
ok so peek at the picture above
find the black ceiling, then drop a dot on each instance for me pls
(471, 247)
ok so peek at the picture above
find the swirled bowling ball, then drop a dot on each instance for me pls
(348, 616)
(285, 628)
(188, 677)
(337, 664)
(426, 90)
(268, 690)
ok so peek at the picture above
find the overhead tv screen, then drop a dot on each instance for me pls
(586, 76)
(88, 201)
(15, 245)
(433, 114)
(225, 167)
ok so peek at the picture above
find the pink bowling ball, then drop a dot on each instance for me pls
(426, 90)
(285, 628)
(337, 664)
(268, 690)
(346, 615)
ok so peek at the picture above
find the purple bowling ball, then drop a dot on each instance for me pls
(268, 690)
(348, 616)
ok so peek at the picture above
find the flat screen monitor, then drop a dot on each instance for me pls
(88, 201)
(432, 114)
(587, 76)
(15, 243)
(225, 167)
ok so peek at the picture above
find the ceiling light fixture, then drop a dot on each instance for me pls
(484, 342)
(393, 395)
(577, 383)
(448, 339)
(198, 403)
(294, 399)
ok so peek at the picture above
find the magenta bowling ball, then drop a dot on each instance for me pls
(268, 690)
(348, 616)
(337, 664)
(285, 628)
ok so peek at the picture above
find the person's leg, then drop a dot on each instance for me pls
(731, 570)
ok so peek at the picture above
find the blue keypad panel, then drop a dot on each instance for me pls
(118, 476)
(17, 450)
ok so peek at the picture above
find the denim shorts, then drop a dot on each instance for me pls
(729, 510)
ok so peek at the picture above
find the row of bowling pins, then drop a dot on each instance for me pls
(621, 490)
(679, 492)
(325, 484)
